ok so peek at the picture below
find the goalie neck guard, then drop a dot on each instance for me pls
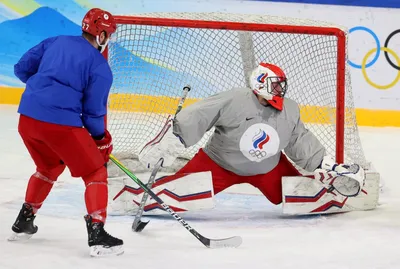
(269, 82)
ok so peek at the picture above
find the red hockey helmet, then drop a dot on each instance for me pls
(97, 20)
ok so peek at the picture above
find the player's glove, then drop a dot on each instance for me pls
(346, 179)
(165, 144)
(104, 144)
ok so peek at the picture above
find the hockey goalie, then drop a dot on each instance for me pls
(257, 132)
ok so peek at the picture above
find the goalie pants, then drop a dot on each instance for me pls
(54, 147)
(269, 184)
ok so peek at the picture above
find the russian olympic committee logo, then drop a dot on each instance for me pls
(386, 50)
(259, 141)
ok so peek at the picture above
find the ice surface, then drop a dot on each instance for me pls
(366, 240)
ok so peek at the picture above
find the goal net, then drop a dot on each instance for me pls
(153, 56)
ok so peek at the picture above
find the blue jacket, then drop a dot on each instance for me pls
(67, 83)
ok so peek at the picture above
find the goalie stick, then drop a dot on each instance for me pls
(165, 128)
(234, 241)
(186, 90)
(138, 225)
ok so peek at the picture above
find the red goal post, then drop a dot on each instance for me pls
(155, 27)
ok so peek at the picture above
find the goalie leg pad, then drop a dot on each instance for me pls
(200, 163)
(181, 192)
(305, 195)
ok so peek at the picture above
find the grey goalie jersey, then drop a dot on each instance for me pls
(248, 137)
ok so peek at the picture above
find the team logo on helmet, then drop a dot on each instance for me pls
(259, 141)
(261, 78)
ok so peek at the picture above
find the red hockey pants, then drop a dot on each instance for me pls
(52, 148)
(269, 184)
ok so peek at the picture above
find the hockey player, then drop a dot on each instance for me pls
(62, 123)
(252, 129)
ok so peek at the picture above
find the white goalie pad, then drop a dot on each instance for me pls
(304, 196)
(183, 192)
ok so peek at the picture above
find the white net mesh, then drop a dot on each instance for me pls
(151, 65)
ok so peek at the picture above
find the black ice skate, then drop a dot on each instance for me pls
(100, 242)
(23, 226)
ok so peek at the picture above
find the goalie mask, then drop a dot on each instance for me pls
(269, 82)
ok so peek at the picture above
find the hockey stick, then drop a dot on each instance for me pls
(186, 90)
(138, 225)
(165, 128)
(235, 241)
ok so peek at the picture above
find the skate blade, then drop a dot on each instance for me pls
(101, 251)
(19, 237)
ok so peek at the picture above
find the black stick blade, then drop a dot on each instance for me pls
(140, 226)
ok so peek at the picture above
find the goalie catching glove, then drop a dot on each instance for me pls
(348, 180)
(165, 145)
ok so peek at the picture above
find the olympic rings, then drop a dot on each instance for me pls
(364, 70)
(257, 153)
(386, 52)
(364, 65)
(378, 46)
